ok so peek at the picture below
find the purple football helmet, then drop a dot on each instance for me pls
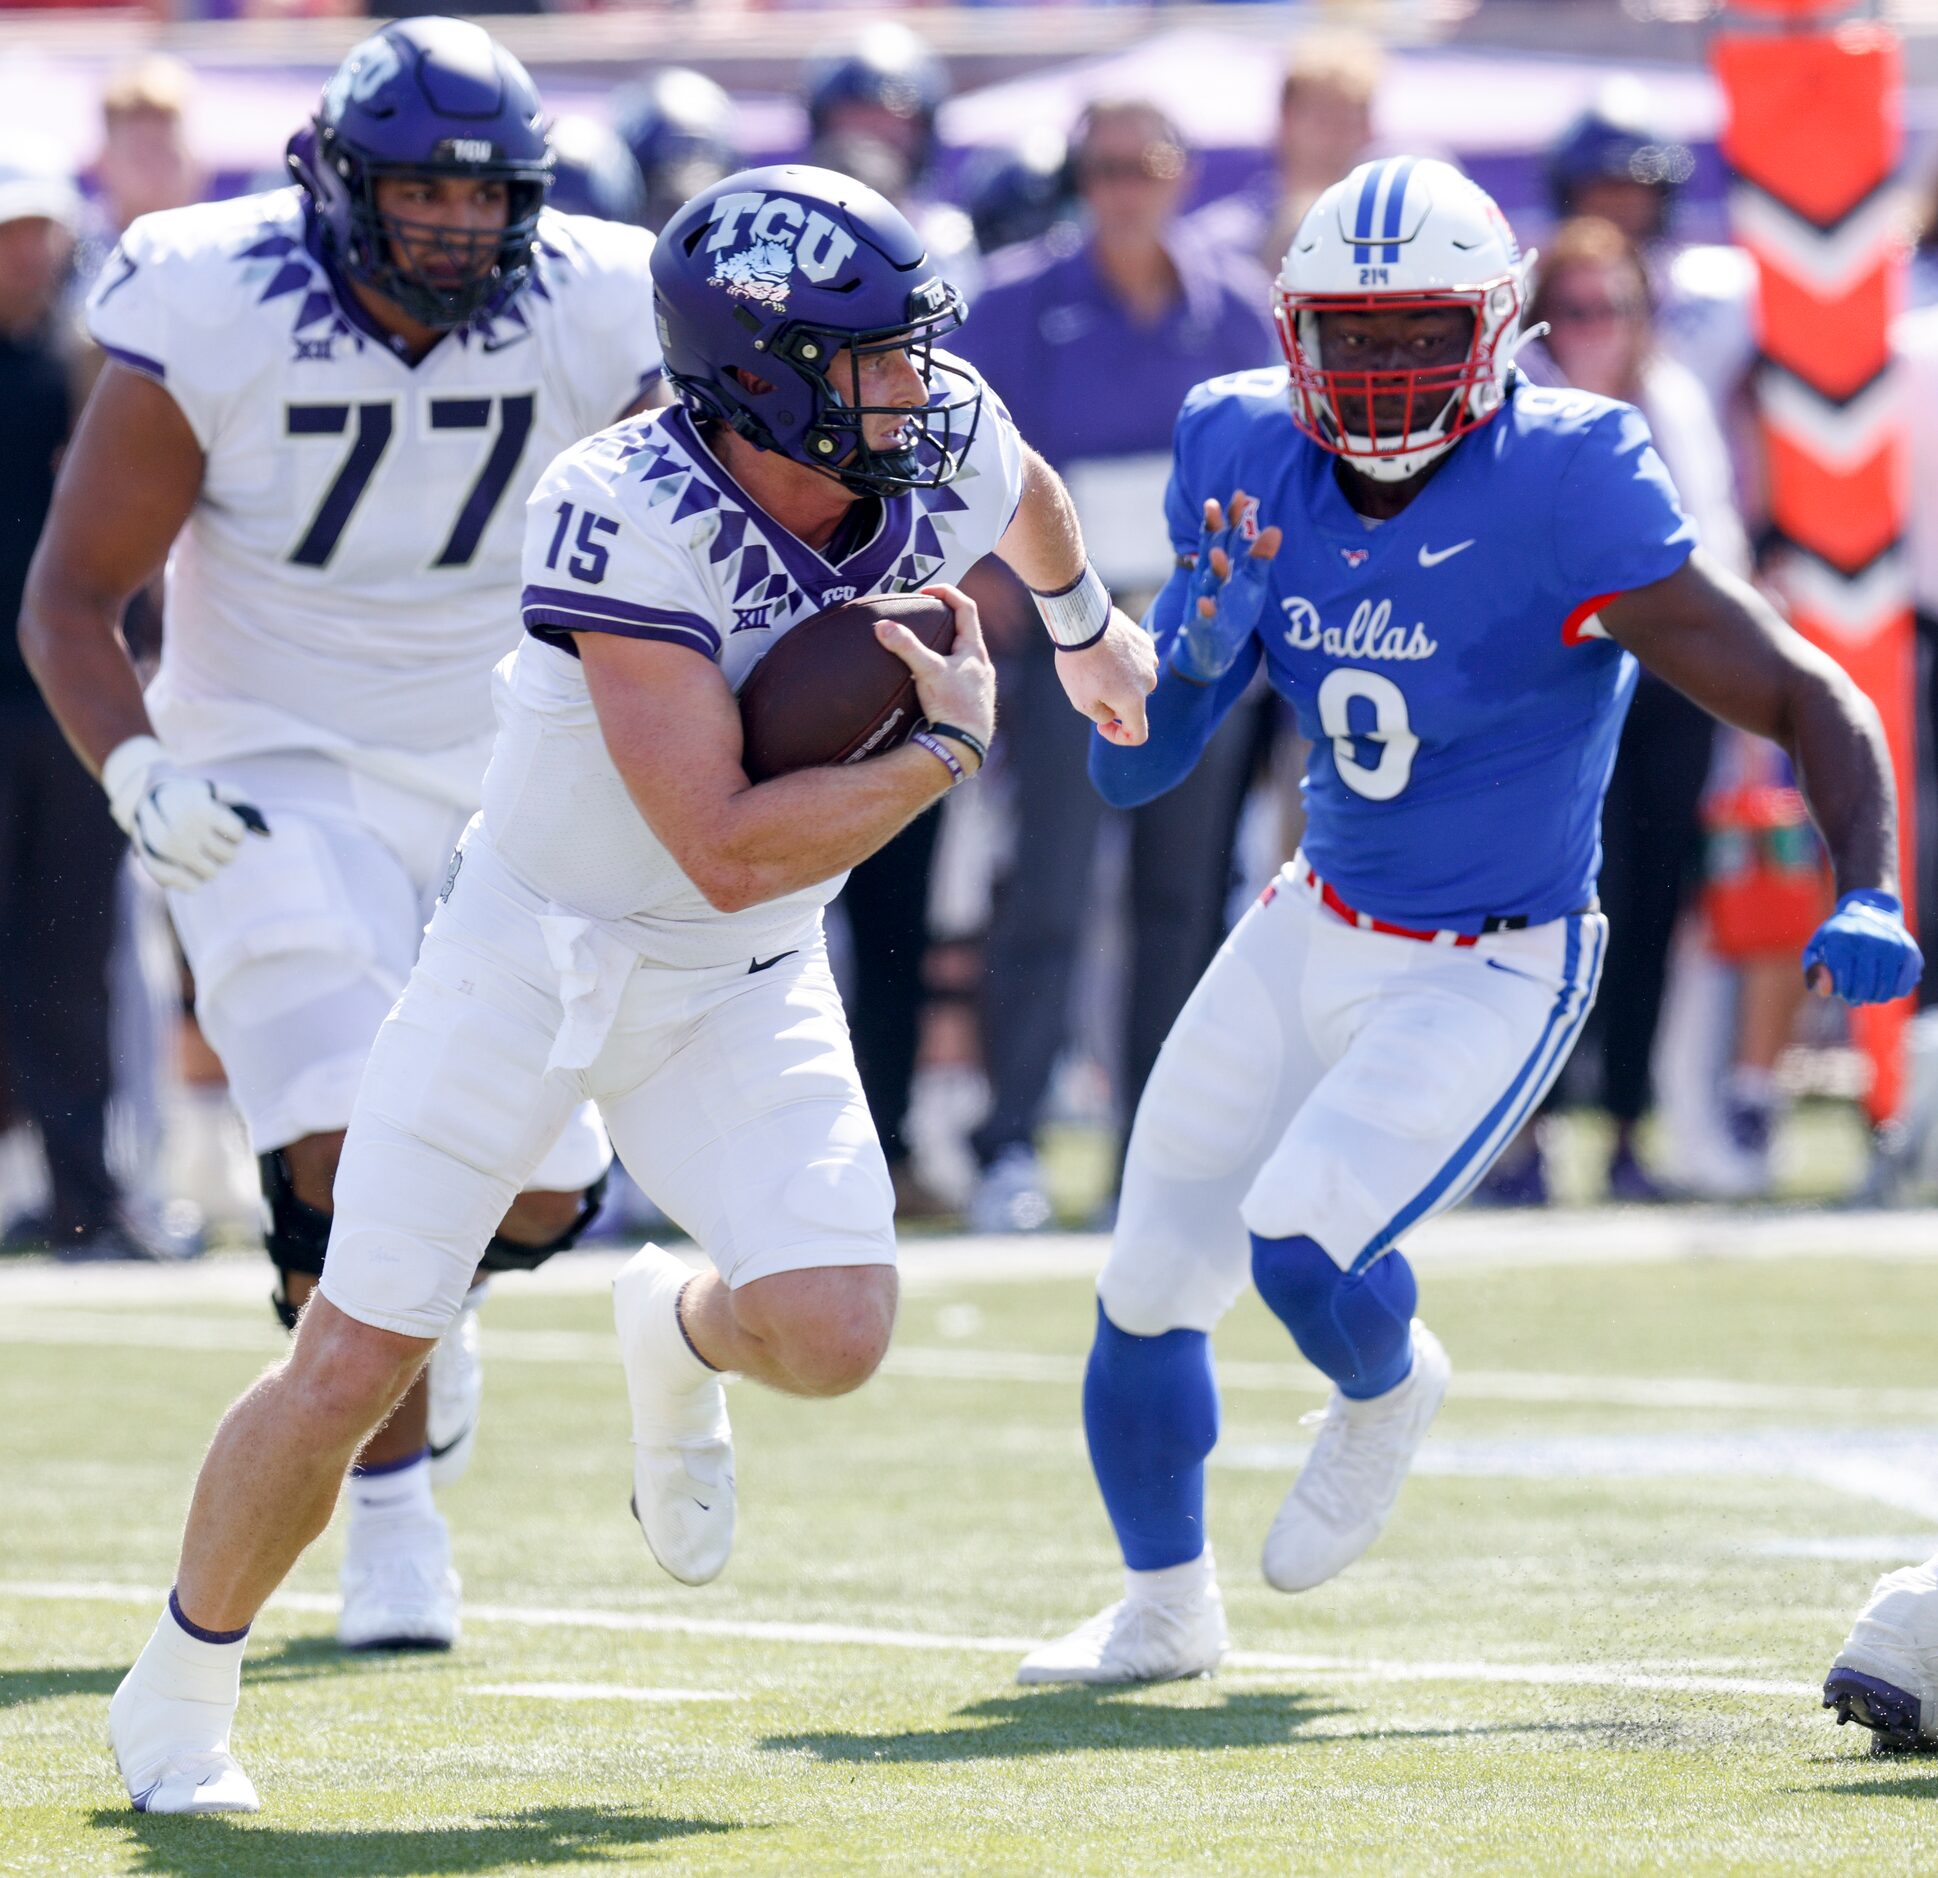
(794, 275)
(427, 97)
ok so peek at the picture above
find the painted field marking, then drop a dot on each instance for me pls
(129, 1329)
(1266, 1662)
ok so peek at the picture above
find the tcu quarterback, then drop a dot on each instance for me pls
(1450, 575)
(324, 406)
(631, 919)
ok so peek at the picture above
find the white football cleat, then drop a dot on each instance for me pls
(1886, 1675)
(1347, 1487)
(174, 1753)
(401, 1593)
(1137, 1640)
(455, 1379)
(683, 1484)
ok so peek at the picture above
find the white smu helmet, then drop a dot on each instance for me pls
(1398, 233)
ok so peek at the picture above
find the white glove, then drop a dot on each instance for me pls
(183, 828)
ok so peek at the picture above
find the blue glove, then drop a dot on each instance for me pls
(1207, 648)
(1865, 948)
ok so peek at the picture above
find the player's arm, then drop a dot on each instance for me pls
(1204, 622)
(1721, 644)
(672, 727)
(1104, 657)
(127, 484)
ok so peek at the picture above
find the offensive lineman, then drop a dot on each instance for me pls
(333, 400)
(1462, 571)
(631, 920)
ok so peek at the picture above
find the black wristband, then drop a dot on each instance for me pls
(968, 739)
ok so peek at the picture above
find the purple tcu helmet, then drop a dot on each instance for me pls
(427, 97)
(794, 275)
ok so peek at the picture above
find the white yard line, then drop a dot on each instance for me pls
(1465, 1240)
(1264, 1662)
(39, 1324)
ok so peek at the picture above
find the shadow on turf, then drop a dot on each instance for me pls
(542, 1836)
(289, 1661)
(1075, 1721)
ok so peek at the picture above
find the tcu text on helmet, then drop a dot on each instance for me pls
(818, 246)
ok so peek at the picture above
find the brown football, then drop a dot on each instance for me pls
(829, 693)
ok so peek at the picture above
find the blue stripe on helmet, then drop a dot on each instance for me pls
(1363, 219)
(1396, 206)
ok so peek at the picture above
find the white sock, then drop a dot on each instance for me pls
(667, 1386)
(178, 1665)
(393, 1496)
(1174, 1584)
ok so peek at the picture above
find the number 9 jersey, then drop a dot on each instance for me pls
(347, 578)
(1462, 700)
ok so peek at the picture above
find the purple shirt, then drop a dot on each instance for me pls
(1080, 376)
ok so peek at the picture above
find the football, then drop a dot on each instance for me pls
(829, 693)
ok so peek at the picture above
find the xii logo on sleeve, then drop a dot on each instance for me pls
(779, 238)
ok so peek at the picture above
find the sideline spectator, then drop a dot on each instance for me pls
(144, 164)
(1094, 351)
(1325, 127)
(1595, 294)
(871, 113)
(59, 848)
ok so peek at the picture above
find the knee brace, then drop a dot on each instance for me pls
(297, 1234)
(508, 1255)
(1150, 1412)
(1356, 1327)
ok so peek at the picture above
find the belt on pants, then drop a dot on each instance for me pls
(1333, 903)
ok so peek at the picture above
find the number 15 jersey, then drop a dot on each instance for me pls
(348, 576)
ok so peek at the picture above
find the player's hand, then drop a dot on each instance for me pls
(1109, 681)
(183, 828)
(957, 689)
(1862, 952)
(1228, 594)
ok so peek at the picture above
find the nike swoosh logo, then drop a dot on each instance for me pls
(703, 1506)
(760, 965)
(1513, 971)
(505, 344)
(1431, 558)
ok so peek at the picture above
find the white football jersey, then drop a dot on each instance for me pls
(348, 577)
(641, 531)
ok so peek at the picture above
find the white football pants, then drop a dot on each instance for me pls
(1337, 1083)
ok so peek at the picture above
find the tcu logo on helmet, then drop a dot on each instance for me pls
(363, 80)
(782, 238)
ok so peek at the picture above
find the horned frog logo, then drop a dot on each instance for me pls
(760, 273)
(359, 78)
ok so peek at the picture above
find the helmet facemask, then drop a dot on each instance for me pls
(485, 265)
(931, 440)
(1341, 410)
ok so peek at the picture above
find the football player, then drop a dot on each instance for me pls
(1450, 575)
(1886, 1675)
(332, 401)
(630, 919)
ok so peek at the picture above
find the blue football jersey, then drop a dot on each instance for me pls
(1462, 702)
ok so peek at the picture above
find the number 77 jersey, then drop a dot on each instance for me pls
(1462, 701)
(349, 574)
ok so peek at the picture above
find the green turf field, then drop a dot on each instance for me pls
(1588, 1643)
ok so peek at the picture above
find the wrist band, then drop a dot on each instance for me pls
(1077, 615)
(968, 739)
(942, 754)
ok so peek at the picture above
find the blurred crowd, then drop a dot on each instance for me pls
(1014, 962)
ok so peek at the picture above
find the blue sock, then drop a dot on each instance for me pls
(1150, 1409)
(1355, 1327)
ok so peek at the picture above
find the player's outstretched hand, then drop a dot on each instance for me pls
(183, 829)
(1862, 952)
(961, 688)
(1228, 594)
(1109, 681)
